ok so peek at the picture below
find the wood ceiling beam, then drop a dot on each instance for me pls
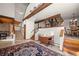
(51, 17)
(38, 9)
(1, 21)
(2, 16)
(6, 19)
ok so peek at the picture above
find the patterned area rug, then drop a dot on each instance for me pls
(28, 49)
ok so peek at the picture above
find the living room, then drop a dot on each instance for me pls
(42, 23)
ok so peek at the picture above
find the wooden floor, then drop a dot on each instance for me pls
(71, 46)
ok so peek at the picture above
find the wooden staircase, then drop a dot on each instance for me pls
(71, 46)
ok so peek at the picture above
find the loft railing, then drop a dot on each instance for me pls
(52, 21)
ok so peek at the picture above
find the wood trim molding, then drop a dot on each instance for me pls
(38, 9)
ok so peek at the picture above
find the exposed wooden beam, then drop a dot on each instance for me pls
(2, 16)
(38, 9)
(6, 19)
(51, 17)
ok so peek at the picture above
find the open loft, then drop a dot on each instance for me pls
(39, 29)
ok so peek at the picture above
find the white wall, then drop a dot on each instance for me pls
(20, 9)
(7, 9)
(15, 10)
(30, 22)
(29, 27)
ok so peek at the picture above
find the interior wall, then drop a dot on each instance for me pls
(15, 10)
(36, 26)
(20, 9)
(29, 27)
(7, 9)
(42, 24)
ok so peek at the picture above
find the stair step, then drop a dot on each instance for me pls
(71, 46)
(72, 51)
(70, 41)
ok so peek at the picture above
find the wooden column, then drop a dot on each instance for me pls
(24, 31)
(14, 28)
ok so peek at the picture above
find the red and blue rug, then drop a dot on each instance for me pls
(28, 49)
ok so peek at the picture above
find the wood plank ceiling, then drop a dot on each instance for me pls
(38, 9)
